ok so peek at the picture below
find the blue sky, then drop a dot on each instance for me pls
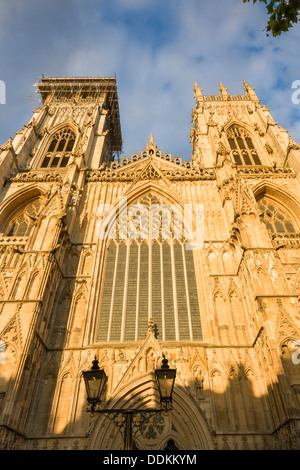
(157, 49)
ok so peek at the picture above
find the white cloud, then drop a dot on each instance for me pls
(207, 42)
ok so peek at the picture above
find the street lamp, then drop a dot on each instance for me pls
(128, 420)
(165, 378)
(94, 379)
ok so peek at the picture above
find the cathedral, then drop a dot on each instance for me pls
(132, 260)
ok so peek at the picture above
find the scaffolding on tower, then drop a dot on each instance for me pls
(89, 89)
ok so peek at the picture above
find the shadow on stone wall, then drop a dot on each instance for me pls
(237, 418)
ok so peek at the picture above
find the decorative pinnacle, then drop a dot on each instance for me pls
(198, 92)
(151, 146)
(223, 90)
(151, 140)
(249, 90)
(150, 325)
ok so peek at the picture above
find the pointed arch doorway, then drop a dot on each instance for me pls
(183, 428)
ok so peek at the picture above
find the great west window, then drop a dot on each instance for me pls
(149, 278)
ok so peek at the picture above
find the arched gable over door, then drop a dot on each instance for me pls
(184, 425)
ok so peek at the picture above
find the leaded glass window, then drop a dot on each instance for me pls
(149, 278)
(59, 150)
(21, 224)
(276, 218)
(242, 147)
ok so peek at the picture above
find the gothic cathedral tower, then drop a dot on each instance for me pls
(131, 260)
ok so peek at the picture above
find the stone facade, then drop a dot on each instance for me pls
(225, 313)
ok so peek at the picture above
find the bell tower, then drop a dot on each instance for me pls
(90, 107)
(42, 172)
(149, 256)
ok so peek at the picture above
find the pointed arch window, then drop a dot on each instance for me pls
(276, 218)
(21, 223)
(242, 147)
(59, 149)
(149, 277)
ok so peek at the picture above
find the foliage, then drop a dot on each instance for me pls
(283, 14)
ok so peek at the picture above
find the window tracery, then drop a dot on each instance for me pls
(277, 220)
(150, 276)
(59, 150)
(242, 147)
(21, 224)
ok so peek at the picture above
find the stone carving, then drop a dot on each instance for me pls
(232, 313)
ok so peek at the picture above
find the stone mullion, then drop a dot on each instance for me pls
(177, 331)
(162, 294)
(189, 196)
(138, 293)
(125, 293)
(187, 294)
(113, 294)
(150, 293)
(144, 290)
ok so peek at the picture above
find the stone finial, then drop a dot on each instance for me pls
(151, 139)
(249, 90)
(150, 325)
(8, 145)
(197, 92)
(151, 147)
(293, 145)
(223, 90)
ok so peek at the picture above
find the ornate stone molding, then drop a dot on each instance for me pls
(286, 240)
(110, 175)
(47, 175)
(264, 172)
(13, 241)
(130, 169)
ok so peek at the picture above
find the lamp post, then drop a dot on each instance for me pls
(128, 419)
